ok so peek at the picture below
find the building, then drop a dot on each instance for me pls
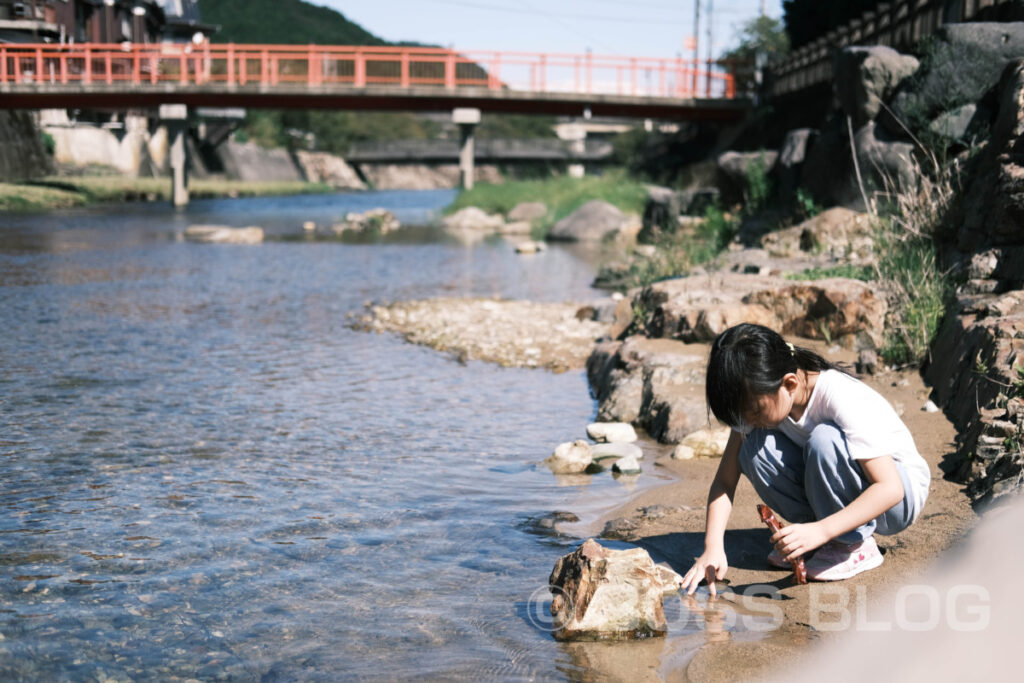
(101, 21)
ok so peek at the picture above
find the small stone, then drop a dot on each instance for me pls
(619, 528)
(570, 458)
(309, 226)
(604, 451)
(611, 432)
(902, 383)
(530, 247)
(867, 362)
(220, 234)
(683, 452)
(930, 407)
(627, 465)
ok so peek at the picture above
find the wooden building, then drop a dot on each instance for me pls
(101, 21)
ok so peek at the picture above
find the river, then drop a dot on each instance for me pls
(206, 473)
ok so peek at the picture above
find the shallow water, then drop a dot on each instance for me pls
(205, 473)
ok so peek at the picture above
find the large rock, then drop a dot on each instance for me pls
(963, 63)
(611, 432)
(865, 77)
(976, 371)
(594, 221)
(473, 219)
(22, 155)
(842, 234)
(994, 202)
(656, 384)
(604, 594)
(735, 168)
(220, 234)
(570, 458)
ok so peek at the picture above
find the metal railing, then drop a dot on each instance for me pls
(317, 66)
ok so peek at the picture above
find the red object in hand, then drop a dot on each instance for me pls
(768, 517)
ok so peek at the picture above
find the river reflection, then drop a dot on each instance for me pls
(205, 473)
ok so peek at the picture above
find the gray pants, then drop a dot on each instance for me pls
(810, 483)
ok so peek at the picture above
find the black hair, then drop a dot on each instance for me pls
(748, 361)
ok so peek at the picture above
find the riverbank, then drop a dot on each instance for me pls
(67, 192)
(668, 521)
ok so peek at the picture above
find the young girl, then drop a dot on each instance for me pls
(823, 450)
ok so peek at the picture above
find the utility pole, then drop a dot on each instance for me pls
(764, 7)
(696, 44)
(711, 46)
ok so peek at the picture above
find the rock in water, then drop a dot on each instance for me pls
(603, 451)
(604, 594)
(220, 234)
(570, 458)
(611, 432)
(627, 465)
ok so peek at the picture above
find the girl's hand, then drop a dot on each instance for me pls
(711, 565)
(799, 539)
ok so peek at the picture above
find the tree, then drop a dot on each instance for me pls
(761, 40)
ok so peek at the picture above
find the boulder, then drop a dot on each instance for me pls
(848, 312)
(708, 442)
(994, 199)
(472, 219)
(220, 234)
(734, 168)
(570, 458)
(606, 451)
(840, 233)
(954, 125)
(527, 212)
(600, 594)
(865, 77)
(662, 209)
(611, 432)
(374, 221)
(594, 221)
(963, 63)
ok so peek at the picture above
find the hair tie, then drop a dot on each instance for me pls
(792, 349)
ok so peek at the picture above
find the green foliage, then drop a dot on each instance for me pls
(515, 126)
(806, 207)
(847, 270)
(676, 254)
(49, 144)
(282, 22)
(561, 194)
(761, 40)
(758, 188)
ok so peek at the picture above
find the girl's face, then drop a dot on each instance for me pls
(766, 411)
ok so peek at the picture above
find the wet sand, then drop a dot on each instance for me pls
(809, 618)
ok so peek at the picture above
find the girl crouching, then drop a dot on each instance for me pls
(822, 449)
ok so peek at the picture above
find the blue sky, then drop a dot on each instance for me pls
(638, 28)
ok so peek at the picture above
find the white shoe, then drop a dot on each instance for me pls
(836, 561)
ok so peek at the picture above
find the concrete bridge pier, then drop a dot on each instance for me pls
(467, 119)
(175, 118)
(576, 135)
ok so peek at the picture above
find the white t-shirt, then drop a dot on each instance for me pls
(870, 423)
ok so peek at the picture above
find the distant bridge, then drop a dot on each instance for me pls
(177, 78)
(373, 78)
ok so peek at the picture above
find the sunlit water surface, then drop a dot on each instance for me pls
(206, 473)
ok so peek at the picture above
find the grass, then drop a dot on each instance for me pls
(847, 270)
(561, 194)
(61, 193)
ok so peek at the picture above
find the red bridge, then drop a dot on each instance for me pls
(376, 78)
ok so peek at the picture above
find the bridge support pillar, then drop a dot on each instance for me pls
(467, 119)
(175, 117)
(576, 137)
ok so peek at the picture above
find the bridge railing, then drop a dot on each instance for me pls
(361, 67)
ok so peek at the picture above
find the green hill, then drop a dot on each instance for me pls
(282, 22)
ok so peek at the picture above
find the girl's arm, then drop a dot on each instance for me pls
(720, 497)
(885, 490)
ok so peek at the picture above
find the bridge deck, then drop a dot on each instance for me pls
(312, 77)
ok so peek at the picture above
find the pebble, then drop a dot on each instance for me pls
(309, 226)
(611, 432)
(930, 407)
(627, 465)
(603, 451)
(683, 452)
